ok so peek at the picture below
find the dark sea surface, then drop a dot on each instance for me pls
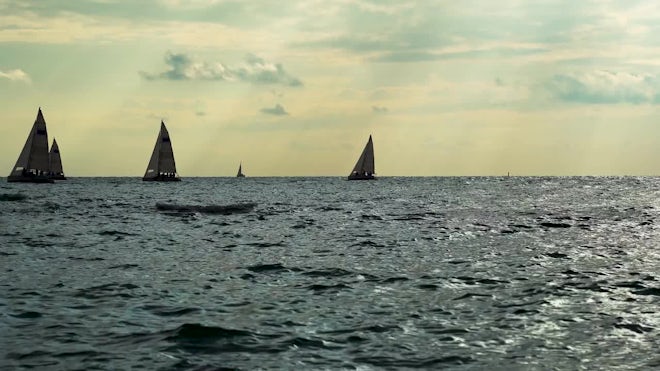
(399, 273)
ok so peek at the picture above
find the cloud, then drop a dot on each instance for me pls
(189, 3)
(278, 110)
(181, 67)
(605, 87)
(254, 70)
(476, 53)
(377, 109)
(15, 75)
(257, 70)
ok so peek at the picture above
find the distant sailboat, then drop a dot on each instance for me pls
(32, 165)
(55, 162)
(161, 165)
(364, 168)
(240, 171)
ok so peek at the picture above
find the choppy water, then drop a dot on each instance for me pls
(399, 273)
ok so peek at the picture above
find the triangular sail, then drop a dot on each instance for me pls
(152, 168)
(365, 164)
(162, 158)
(240, 171)
(55, 159)
(166, 162)
(34, 155)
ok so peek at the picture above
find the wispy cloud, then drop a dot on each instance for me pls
(605, 87)
(189, 3)
(278, 110)
(475, 53)
(15, 75)
(379, 109)
(254, 70)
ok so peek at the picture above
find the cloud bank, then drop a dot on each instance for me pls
(254, 70)
(605, 87)
(15, 75)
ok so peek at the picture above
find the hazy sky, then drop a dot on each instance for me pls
(472, 87)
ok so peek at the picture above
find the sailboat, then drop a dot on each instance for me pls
(32, 164)
(161, 165)
(55, 162)
(240, 171)
(364, 168)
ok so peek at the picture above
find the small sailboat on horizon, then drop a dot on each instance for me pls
(33, 165)
(365, 168)
(162, 167)
(55, 170)
(240, 171)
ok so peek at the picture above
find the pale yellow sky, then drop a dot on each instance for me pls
(296, 88)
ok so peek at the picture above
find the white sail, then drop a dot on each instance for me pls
(55, 159)
(162, 158)
(34, 156)
(365, 164)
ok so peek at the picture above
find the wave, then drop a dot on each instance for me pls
(317, 288)
(648, 291)
(268, 268)
(330, 272)
(554, 225)
(430, 362)
(197, 332)
(106, 291)
(12, 197)
(27, 315)
(115, 233)
(196, 338)
(208, 209)
(378, 329)
(634, 327)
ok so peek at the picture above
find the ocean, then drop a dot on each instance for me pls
(458, 273)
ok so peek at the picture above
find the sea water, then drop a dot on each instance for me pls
(398, 273)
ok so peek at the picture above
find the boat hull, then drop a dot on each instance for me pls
(58, 177)
(160, 178)
(29, 179)
(361, 177)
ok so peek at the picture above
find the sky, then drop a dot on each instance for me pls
(295, 88)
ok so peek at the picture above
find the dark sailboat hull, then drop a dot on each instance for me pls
(160, 178)
(58, 177)
(29, 179)
(361, 177)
